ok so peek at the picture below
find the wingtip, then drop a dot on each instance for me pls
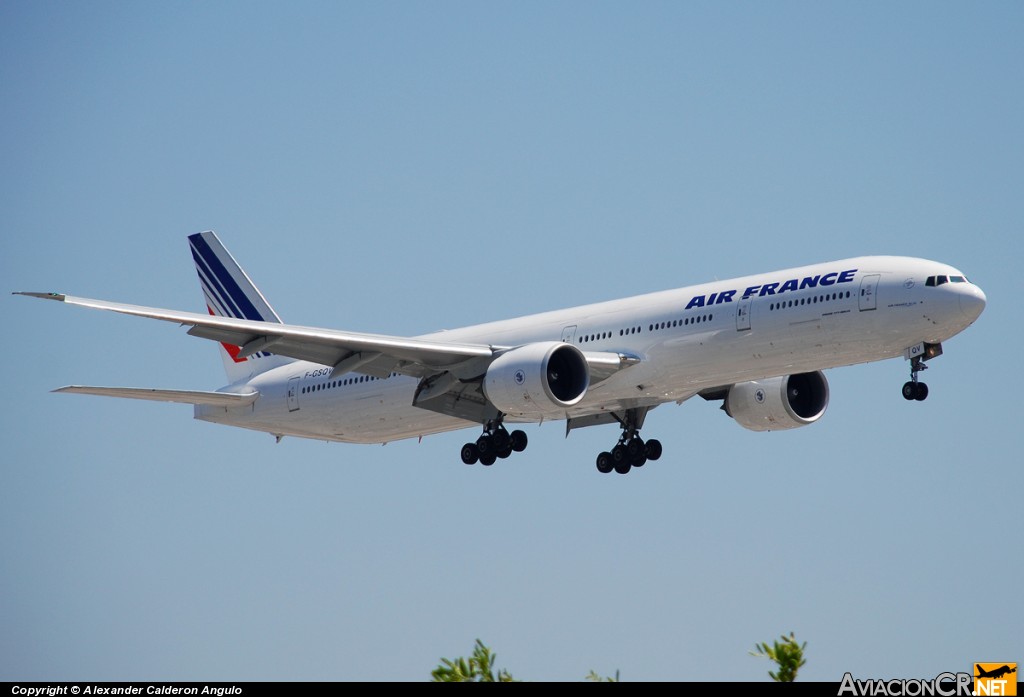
(44, 296)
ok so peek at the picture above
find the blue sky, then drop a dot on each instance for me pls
(404, 167)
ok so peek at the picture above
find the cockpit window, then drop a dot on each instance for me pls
(932, 281)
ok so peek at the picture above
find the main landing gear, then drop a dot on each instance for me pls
(495, 443)
(914, 390)
(631, 450)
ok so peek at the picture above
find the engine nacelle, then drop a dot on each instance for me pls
(776, 404)
(537, 379)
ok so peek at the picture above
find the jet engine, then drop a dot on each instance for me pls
(537, 379)
(778, 403)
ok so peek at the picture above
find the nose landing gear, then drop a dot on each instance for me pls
(914, 389)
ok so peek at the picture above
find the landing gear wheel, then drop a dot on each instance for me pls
(634, 448)
(631, 450)
(485, 445)
(487, 460)
(470, 453)
(505, 453)
(921, 393)
(519, 441)
(619, 454)
(909, 391)
(501, 440)
(636, 451)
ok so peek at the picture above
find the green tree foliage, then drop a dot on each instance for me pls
(477, 668)
(787, 654)
(592, 676)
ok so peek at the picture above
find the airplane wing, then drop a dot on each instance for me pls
(217, 399)
(373, 354)
(346, 351)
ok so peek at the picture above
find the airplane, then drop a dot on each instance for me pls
(996, 673)
(759, 344)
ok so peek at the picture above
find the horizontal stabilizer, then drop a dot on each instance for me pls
(217, 399)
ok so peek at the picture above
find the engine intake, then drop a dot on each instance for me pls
(778, 403)
(537, 379)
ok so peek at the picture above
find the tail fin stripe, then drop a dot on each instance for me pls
(218, 286)
(229, 292)
(216, 303)
(214, 291)
(214, 295)
(221, 281)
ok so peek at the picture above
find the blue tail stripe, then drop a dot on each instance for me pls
(213, 288)
(211, 283)
(203, 255)
(214, 295)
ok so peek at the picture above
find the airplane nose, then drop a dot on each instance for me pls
(972, 302)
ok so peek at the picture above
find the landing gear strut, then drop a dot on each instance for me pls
(495, 443)
(631, 450)
(915, 390)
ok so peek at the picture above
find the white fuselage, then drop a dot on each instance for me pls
(690, 339)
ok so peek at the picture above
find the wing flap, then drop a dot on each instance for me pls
(217, 399)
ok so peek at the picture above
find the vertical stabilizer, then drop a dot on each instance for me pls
(229, 292)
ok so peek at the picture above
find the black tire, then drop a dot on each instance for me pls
(634, 448)
(487, 460)
(485, 445)
(922, 392)
(909, 391)
(652, 449)
(505, 453)
(470, 454)
(640, 460)
(619, 454)
(519, 440)
(501, 440)
(623, 467)
(604, 463)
